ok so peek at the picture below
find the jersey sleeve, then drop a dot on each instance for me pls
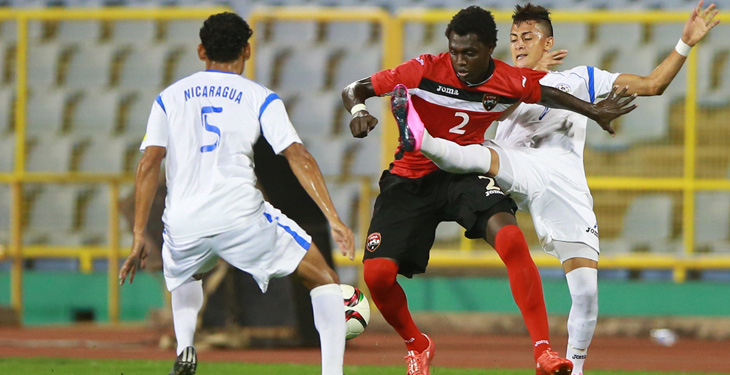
(408, 73)
(157, 127)
(600, 82)
(530, 80)
(275, 124)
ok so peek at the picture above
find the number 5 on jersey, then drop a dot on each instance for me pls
(210, 128)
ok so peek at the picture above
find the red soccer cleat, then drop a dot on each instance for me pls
(410, 126)
(419, 363)
(549, 363)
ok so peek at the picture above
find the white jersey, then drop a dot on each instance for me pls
(536, 126)
(544, 149)
(208, 122)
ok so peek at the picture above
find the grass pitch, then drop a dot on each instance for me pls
(61, 366)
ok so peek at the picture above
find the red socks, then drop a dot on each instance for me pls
(389, 297)
(524, 280)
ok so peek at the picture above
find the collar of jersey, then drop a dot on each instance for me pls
(219, 71)
(490, 73)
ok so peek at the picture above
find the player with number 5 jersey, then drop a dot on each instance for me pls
(204, 127)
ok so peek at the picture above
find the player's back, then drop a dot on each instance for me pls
(213, 120)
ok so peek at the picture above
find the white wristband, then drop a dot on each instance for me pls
(357, 108)
(683, 48)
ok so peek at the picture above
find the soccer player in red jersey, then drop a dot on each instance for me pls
(458, 94)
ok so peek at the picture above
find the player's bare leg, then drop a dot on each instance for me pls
(327, 306)
(582, 276)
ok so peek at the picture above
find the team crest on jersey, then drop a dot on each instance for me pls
(563, 87)
(489, 101)
(373, 242)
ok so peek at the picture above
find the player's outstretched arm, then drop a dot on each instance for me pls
(353, 98)
(145, 186)
(310, 177)
(700, 22)
(603, 114)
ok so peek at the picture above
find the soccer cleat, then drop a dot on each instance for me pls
(549, 363)
(419, 363)
(185, 363)
(410, 126)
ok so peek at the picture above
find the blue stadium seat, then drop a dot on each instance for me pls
(45, 113)
(91, 65)
(306, 68)
(7, 96)
(134, 32)
(619, 35)
(104, 154)
(50, 153)
(329, 152)
(314, 113)
(647, 224)
(144, 67)
(186, 63)
(43, 64)
(294, 33)
(367, 154)
(78, 31)
(355, 34)
(96, 114)
(7, 154)
(356, 64)
(712, 221)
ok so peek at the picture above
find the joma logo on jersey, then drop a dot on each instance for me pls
(489, 101)
(593, 231)
(447, 90)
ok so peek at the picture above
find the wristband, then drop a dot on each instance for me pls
(357, 108)
(683, 48)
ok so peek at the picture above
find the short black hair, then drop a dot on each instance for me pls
(475, 20)
(224, 35)
(532, 12)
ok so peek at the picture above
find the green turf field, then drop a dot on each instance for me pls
(56, 366)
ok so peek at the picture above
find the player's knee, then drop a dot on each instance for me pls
(379, 274)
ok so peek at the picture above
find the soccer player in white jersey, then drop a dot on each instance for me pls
(205, 126)
(537, 154)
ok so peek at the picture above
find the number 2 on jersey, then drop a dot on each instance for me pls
(459, 129)
(210, 128)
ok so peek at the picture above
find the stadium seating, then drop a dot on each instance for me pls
(96, 114)
(712, 221)
(144, 67)
(50, 154)
(329, 152)
(647, 225)
(91, 65)
(49, 120)
(52, 212)
(105, 154)
(78, 31)
(313, 114)
(7, 154)
(356, 64)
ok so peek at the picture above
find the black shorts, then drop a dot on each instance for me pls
(408, 210)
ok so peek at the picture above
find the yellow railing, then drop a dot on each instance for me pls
(392, 43)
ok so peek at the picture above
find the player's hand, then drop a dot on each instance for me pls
(613, 106)
(551, 59)
(699, 23)
(344, 238)
(362, 123)
(137, 259)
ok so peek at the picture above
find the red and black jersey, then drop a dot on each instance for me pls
(451, 109)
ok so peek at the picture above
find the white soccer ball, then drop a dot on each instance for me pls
(357, 311)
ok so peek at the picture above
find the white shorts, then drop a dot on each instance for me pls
(550, 184)
(269, 245)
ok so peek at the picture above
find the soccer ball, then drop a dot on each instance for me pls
(357, 311)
